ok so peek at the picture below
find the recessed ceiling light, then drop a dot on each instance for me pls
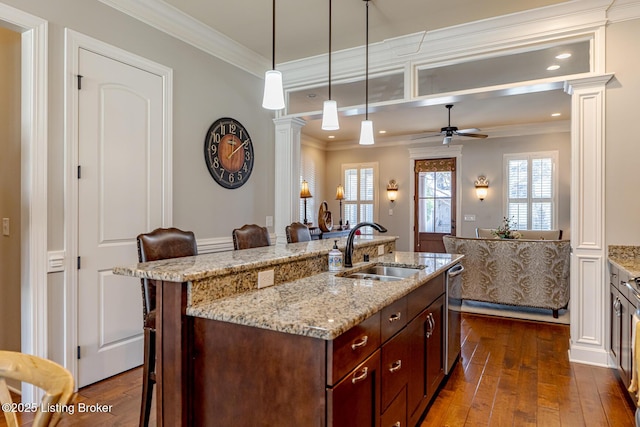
(553, 67)
(556, 115)
(331, 136)
(311, 95)
(563, 55)
(382, 131)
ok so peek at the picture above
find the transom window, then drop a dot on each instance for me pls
(360, 193)
(531, 190)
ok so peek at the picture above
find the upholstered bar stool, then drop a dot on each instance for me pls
(250, 236)
(297, 232)
(161, 243)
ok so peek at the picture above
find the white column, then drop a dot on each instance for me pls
(287, 173)
(588, 307)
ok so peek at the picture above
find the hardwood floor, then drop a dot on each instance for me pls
(511, 373)
(517, 373)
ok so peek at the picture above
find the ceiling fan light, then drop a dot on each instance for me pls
(330, 115)
(446, 140)
(273, 98)
(366, 133)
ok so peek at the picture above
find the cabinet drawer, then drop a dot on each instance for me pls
(623, 277)
(394, 367)
(393, 318)
(613, 275)
(396, 414)
(345, 352)
(425, 295)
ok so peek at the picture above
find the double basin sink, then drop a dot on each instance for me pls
(382, 273)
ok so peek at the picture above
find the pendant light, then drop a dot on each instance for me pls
(366, 128)
(330, 107)
(273, 98)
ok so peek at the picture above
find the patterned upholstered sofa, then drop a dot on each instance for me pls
(531, 273)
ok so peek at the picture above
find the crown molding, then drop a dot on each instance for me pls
(448, 45)
(172, 21)
(624, 10)
(509, 131)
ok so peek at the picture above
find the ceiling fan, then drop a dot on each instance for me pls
(449, 131)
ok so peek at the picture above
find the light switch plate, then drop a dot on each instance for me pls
(5, 226)
(380, 249)
(469, 217)
(265, 278)
(269, 221)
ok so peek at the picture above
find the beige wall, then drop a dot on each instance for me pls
(10, 189)
(485, 158)
(313, 164)
(478, 157)
(622, 144)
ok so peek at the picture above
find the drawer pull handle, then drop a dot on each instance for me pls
(397, 424)
(395, 366)
(395, 316)
(361, 343)
(357, 378)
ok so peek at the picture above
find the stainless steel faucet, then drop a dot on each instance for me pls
(348, 251)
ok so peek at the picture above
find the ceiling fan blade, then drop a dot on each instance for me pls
(472, 135)
(470, 130)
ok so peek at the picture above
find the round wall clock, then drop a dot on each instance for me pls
(228, 153)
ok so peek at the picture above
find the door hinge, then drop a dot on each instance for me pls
(79, 82)
(78, 263)
(78, 352)
(79, 171)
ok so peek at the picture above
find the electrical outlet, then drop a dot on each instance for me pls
(380, 249)
(265, 278)
(269, 221)
(390, 212)
(5, 226)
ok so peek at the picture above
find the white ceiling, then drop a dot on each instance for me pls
(302, 31)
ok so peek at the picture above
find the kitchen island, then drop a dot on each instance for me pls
(231, 354)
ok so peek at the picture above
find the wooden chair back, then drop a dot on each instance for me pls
(250, 236)
(53, 379)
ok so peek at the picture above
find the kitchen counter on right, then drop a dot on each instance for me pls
(626, 258)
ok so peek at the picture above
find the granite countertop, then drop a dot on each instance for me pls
(627, 258)
(324, 305)
(198, 267)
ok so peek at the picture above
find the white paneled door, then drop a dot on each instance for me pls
(119, 196)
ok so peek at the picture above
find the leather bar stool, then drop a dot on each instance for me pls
(297, 232)
(250, 236)
(161, 243)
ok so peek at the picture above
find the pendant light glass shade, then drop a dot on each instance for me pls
(330, 107)
(273, 98)
(366, 133)
(330, 115)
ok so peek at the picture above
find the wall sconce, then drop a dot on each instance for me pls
(482, 186)
(305, 194)
(392, 190)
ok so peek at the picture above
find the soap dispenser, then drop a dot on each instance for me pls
(335, 258)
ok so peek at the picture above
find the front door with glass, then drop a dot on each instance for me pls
(435, 205)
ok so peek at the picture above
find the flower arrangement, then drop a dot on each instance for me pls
(506, 230)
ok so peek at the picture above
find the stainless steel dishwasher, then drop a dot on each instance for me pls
(453, 307)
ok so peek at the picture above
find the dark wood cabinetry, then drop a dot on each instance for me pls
(382, 372)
